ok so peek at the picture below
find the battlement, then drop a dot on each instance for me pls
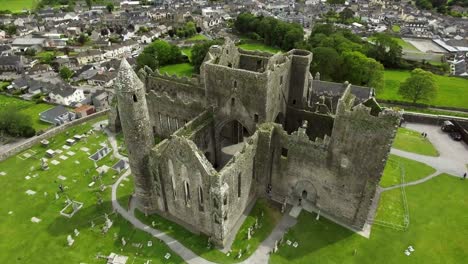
(300, 138)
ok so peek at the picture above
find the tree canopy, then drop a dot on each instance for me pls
(274, 32)
(65, 73)
(15, 123)
(159, 53)
(199, 52)
(420, 86)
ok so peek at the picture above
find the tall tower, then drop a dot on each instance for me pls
(139, 138)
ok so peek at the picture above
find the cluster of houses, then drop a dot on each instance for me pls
(90, 42)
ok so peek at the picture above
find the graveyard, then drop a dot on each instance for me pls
(57, 199)
(55, 205)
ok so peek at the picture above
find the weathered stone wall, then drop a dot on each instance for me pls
(359, 148)
(300, 80)
(172, 102)
(237, 94)
(278, 71)
(48, 134)
(183, 178)
(238, 177)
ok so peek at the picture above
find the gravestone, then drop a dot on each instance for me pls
(70, 240)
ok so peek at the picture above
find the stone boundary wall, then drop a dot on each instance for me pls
(433, 119)
(49, 133)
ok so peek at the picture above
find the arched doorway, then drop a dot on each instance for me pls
(305, 191)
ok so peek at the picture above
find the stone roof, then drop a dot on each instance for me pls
(63, 91)
(10, 60)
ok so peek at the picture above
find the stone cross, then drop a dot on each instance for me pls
(92, 224)
(249, 233)
(318, 216)
(240, 254)
(76, 232)
(124, 242)
(256, 223)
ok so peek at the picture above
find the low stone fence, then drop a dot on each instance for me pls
(433, 119)
(49, 133)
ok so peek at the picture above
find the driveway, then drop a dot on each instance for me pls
(453, 157)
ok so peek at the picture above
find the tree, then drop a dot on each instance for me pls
(346, 14)
(361, 70)
(326, 61)
(16, 123)
(386, 50)
(199, 52)
(420, 86)
(110, 7)
(30, 52)
(11, 30)
(65, 73)
(89, 3)
(159, 53)
(82, 39)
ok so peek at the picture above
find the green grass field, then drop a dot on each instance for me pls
(414, 171)
(23, 241)
(17, 5)
(197, 37)
(181, 69)
(187, 52)
(396, 28)
(30, 108)
(451, 90)
(406, 45)
(412, 141)
(198, 243)
(258, 46)
(438, 230)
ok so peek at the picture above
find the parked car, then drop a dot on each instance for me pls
(455, 136)
(448, 126)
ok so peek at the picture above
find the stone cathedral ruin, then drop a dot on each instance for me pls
(251, 125)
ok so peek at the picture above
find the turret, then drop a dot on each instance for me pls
(139, 138)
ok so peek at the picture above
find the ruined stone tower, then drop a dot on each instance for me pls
(139, 138)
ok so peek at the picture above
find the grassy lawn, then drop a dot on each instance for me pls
(30, 108)
(396, 28)
(181, 69)
(258, 46)
(197, 37)
(414, 171)
(17, 5)
(23, 241)
(450, 89)
(406, 45)
(33, 111)
(438, 231)
(412, 141)
(198, 243)
(187, 52)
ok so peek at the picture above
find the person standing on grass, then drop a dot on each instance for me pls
(464, 176)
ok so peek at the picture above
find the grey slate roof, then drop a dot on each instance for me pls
(52, 114)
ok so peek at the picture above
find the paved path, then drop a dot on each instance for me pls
(433, 175)
(453, 157)
(260, 256)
